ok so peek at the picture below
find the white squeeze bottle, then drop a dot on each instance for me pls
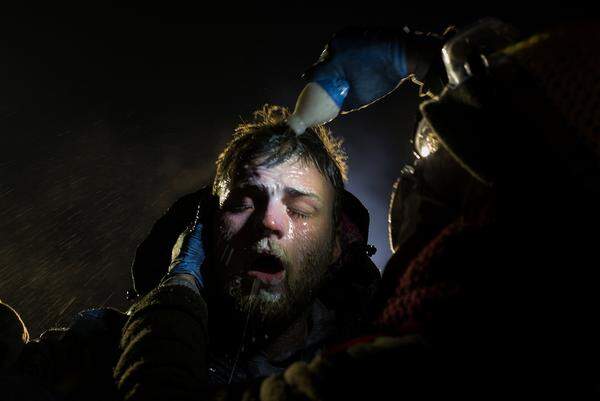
(318, 103)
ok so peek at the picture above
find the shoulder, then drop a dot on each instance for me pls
(89, 341)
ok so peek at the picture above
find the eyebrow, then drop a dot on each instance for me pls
(296, 193)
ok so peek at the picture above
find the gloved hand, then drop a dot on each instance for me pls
(360, 66)
(188, 255)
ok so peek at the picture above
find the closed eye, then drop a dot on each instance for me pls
(240, 208)
(294, 213)
(239, 205)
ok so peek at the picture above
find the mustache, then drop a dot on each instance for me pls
(250, 253)
(267, 247)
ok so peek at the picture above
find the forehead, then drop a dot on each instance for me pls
(292, 174)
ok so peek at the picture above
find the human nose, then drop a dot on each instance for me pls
(275, 220)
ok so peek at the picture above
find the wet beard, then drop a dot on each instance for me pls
(273, 309)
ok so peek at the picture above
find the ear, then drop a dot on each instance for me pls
(337, 247)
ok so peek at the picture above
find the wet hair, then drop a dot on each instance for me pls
(268, 141)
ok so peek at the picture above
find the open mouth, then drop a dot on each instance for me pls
(267, 268)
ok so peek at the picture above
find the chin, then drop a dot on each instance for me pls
(268, 296)
(267, 304)
(269, 308)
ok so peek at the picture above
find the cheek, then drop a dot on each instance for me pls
(300, 231)
(232, 223)
(307, 235)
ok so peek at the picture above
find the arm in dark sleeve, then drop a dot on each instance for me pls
(70, 361)
(163, 347)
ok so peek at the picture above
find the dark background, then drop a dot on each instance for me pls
(109, 116)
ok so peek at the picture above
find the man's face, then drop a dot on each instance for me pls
(275, 230)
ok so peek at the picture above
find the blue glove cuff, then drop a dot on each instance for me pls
(336, 88)
(183, 267)
(190, 256)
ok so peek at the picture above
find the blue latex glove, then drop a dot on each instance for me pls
(360, 66)
(188, 255)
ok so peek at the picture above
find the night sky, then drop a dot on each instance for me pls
(107, 119)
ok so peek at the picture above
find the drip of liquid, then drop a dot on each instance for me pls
(249, 311)
(229, 256)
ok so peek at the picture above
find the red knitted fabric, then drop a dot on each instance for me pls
(431, 289)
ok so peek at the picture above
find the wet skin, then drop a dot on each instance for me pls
(276, 226)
